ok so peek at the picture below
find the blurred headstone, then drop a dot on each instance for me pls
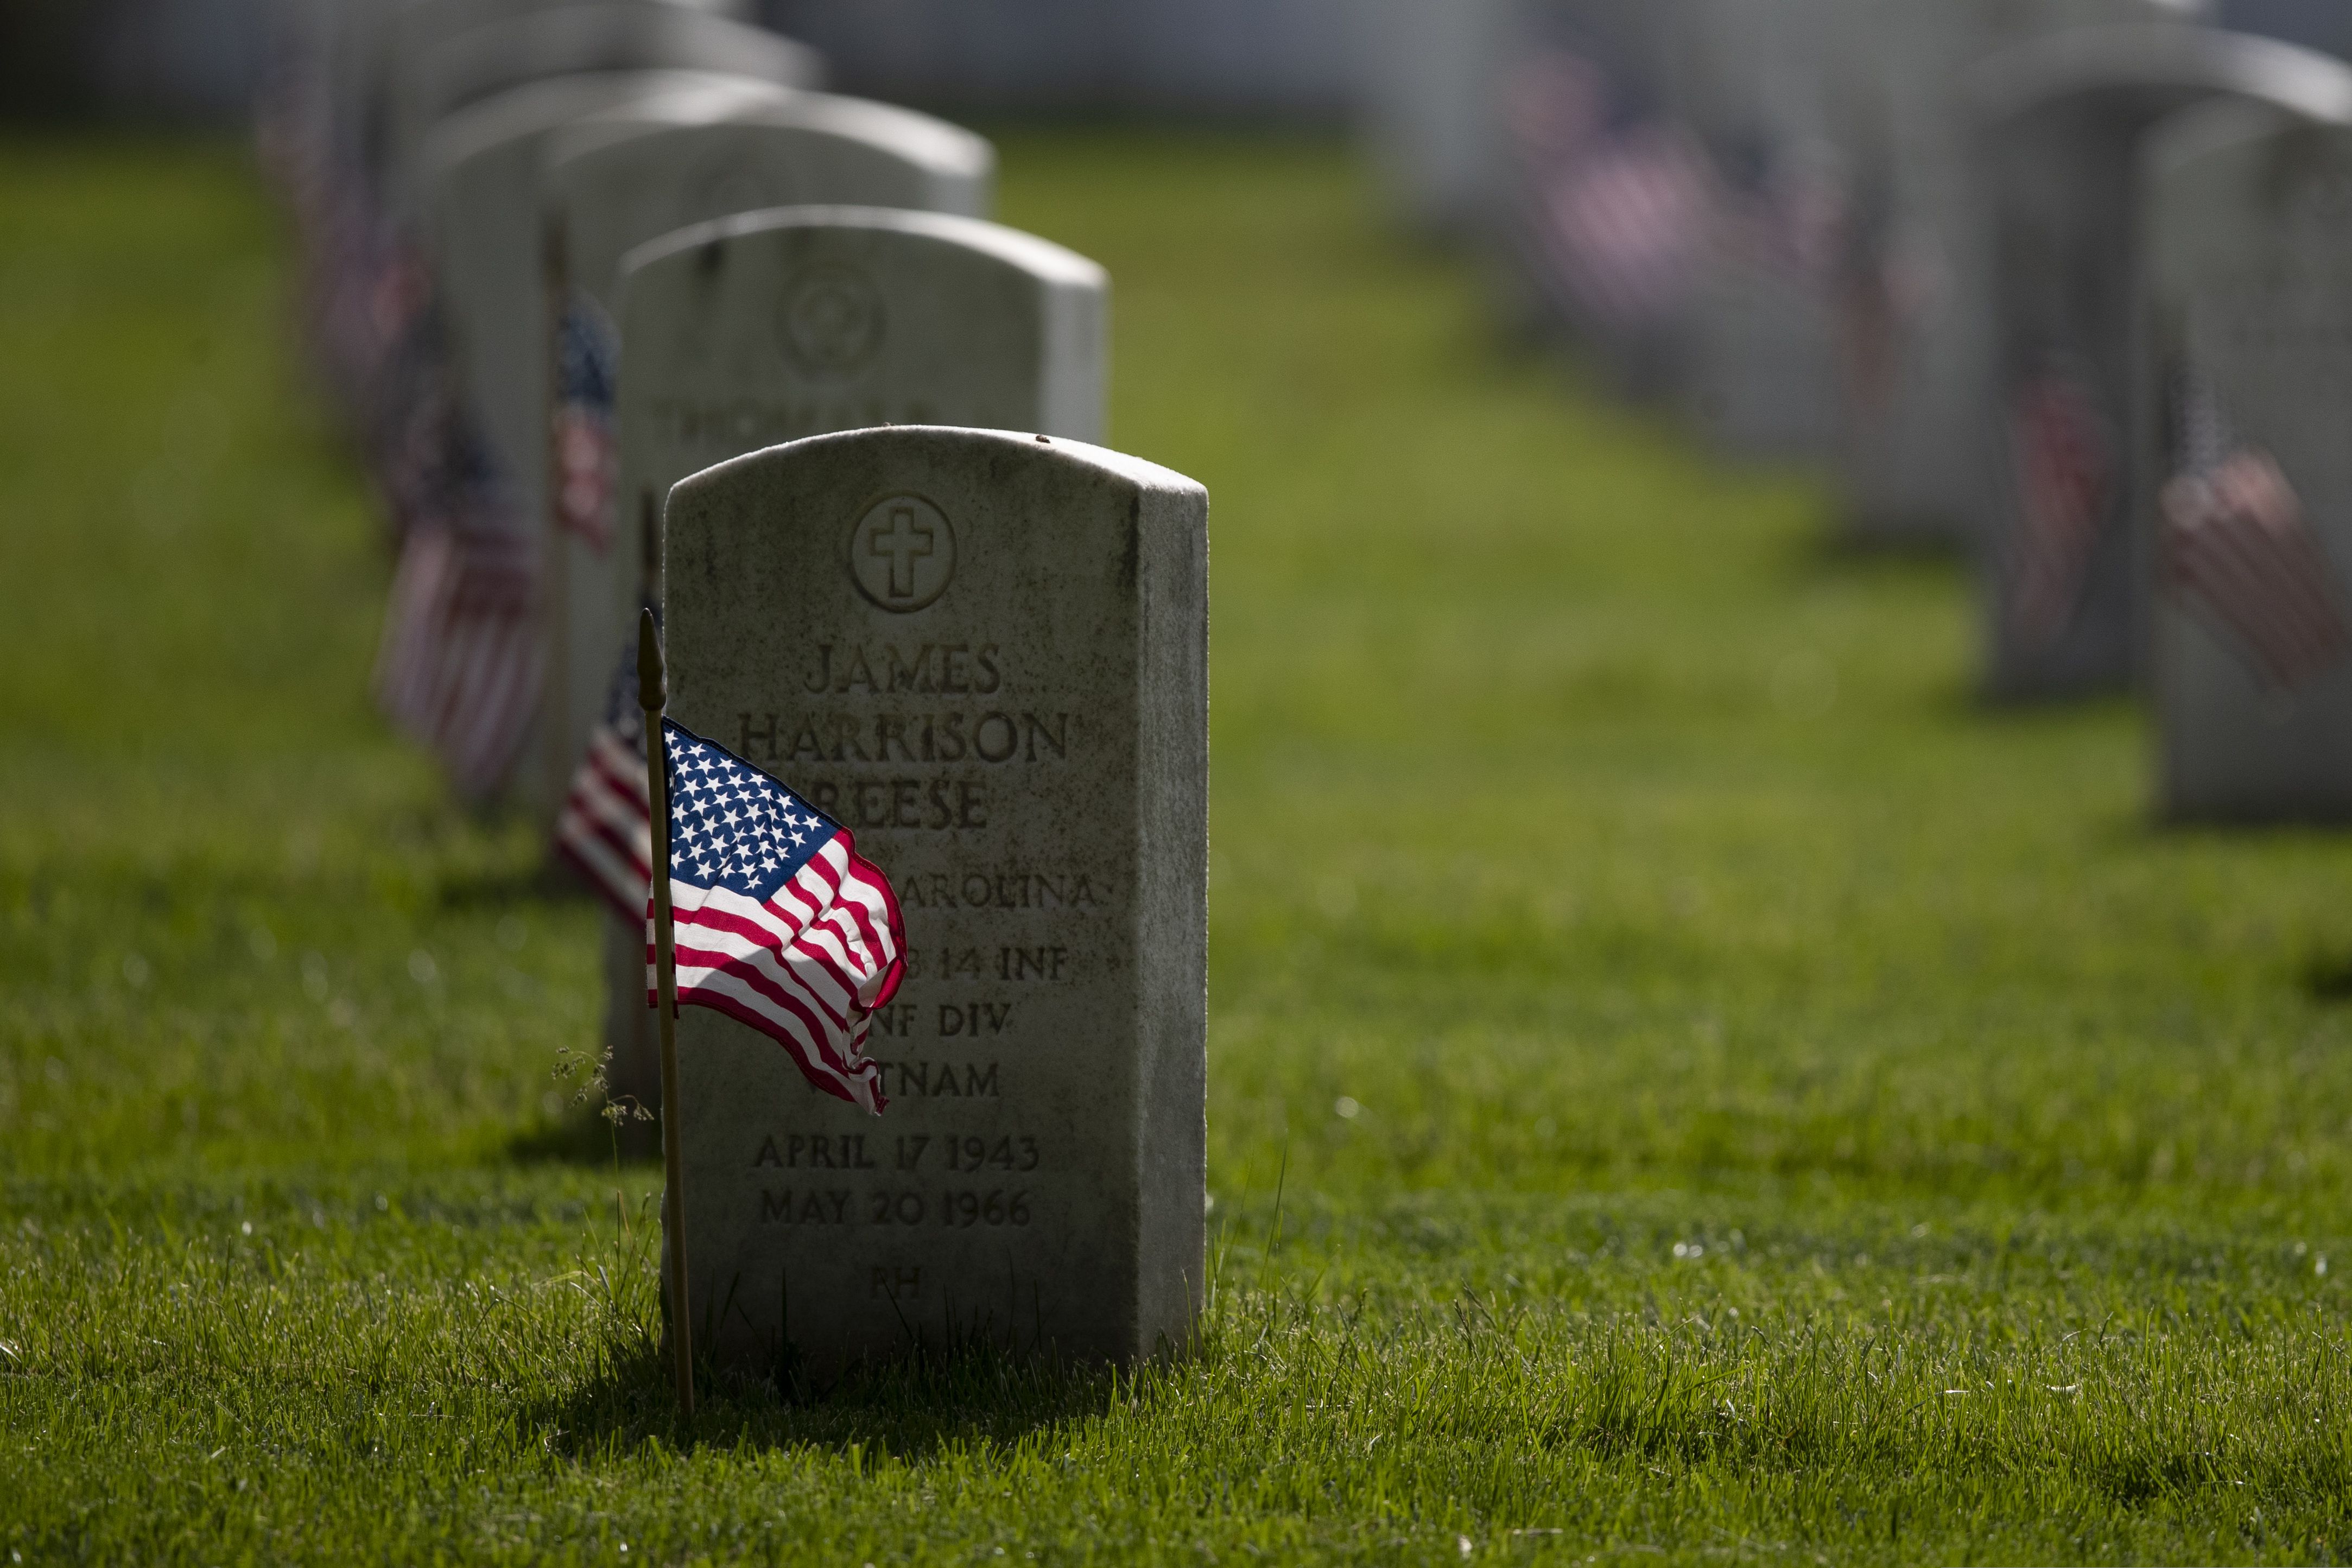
(1913, 298)
(1759, 373)
(2063, 120)
(486, 242)
(2249, 281)
(444, 74)
(984, 654)
(754, 330)
(1426, 74)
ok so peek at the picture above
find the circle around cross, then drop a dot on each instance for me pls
(902, 552)
(831, 320)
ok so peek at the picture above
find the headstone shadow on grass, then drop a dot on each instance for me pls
(2327, 977)
(1827, 554)
(584, 1134)
(934, 1394)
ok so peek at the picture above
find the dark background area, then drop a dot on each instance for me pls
(200, 61)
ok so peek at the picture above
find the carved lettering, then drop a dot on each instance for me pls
(810, 1208)
(973, 1017)
(1031, 963)
(997, 737)
(896, 1283)
(940, 1080)
(817, 1151)
(1001, 890)
(956, 669)
(936, 804)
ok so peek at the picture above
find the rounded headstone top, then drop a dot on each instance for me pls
(1041, 258)
(917, 137)
(2159, 57)
(492, 57)
(613, 35)
(537, 108)
(944, 442)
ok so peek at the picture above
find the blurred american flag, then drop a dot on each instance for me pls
(2065, 460)
(2238, 551)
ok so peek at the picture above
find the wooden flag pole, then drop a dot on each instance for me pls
(653, 695)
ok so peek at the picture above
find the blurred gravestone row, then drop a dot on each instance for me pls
(559, 257)
(2055, 282)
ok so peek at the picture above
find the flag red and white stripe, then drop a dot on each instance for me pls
(605, 825)
(2239, 552)
(585, 458)
(460, 663)
(2066, 470)
(1617, 207)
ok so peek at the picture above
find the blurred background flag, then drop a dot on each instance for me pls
(2238, 551)
(586, 457)
(2065, 464)
(777, 921)
(460, 666)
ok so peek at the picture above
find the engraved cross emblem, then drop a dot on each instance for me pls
(902, 551)
(904, 542)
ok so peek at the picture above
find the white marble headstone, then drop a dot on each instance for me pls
(763, 329)
(983, 652)
(1759, 349)
(2063, 120)
(2248, 525)
(1428, 71)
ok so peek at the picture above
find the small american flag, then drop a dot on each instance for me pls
(1625, 225)
(2065, 470)
(2238, 553)
(585, 457)
(605, 827)
(460, 664)
(777, 921)
(1618, 204)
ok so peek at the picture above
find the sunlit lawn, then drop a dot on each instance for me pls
(1731, 1096)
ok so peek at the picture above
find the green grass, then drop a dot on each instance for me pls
(1798, 1114)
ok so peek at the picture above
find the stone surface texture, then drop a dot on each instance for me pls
(985, 653)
